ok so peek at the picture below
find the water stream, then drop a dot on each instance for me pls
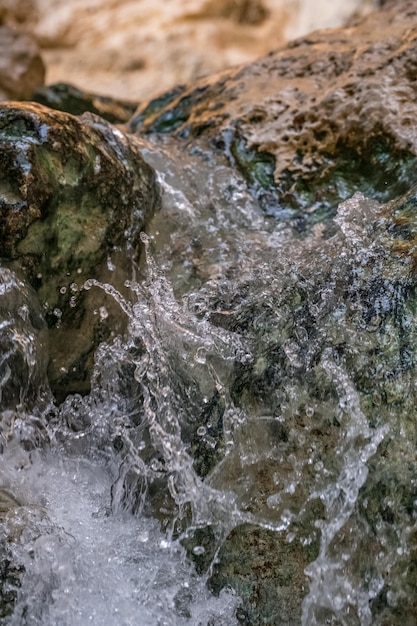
(265, 381)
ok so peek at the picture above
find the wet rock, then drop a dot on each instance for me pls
(267, 572)
(21, 66)
(328, 432)
(10, 581)
(75, 194)
(65, 97)
(309, 124)
(10, 570)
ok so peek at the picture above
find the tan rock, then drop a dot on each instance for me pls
(21, 67)
(314, 121)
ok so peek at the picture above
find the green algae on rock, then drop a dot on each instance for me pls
(313, 122)
(75, 194)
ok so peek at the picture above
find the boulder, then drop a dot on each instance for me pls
(75, 194)
(312, 122)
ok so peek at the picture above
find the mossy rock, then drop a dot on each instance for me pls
(74, 196)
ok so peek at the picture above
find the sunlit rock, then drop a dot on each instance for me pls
(311, 123)
(75, 194)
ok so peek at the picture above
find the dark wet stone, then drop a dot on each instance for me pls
(70, 99)
(267, 572)
(74, 195)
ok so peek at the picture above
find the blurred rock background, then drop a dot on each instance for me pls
(137, 48)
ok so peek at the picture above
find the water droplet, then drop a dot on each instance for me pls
(198, 550)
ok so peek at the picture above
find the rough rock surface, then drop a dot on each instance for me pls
(21, 66)
(75, 194)
(312, 122)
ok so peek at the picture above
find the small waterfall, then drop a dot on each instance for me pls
(261, 393)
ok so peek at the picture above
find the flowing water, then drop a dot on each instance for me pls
(266, 381)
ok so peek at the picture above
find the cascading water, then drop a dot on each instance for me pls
(258, 395)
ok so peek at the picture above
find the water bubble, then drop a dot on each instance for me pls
(199, 550)
(63, 290)
(201, 431)
(309, 411)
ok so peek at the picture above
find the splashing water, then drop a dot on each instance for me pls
(260, 398)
